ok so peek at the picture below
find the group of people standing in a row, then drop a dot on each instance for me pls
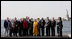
(28, 27)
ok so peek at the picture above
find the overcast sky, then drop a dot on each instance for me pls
(35, 9)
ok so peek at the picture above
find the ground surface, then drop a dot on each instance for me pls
(64, 36)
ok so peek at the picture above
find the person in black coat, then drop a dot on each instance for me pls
(20, 27)
(48, 25)
(27, 30)
(10, 28)
(59, 26)
(6, 25)
(42, 25)
(38, 20)
(30, 27)
(15, 27)
(53, 25)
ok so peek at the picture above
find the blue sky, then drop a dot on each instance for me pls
(35, 9)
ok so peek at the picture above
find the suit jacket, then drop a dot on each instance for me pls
(48, 24)
(59, 25)
(42, 23)
(21, 24)
(53, 24)
(7, 24)
(30, 24)
(16, 24)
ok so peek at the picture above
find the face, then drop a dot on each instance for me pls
(58, 18)
(47, 17)
(28, 17)
(35, 20)
(53, 18)
(15, 19)
(42, 18)
(7, 18)
(31, 19)
(21, 19)
(38, 19)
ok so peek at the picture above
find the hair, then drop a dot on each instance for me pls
(42, 18)
(23, 18)
(60, 18)
(38, 18)
(30, 20)
(35, 19)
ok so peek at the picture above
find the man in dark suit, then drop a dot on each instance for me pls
(53, 23)
(6, 26)
(20, 27)
(42, 25)
(38, 20)
(15, 26)
(48, 25)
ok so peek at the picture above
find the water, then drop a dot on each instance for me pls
(66, 27)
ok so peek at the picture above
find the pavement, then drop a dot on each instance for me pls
(64, 36)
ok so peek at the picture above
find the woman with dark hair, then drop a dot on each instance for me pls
(59, 26)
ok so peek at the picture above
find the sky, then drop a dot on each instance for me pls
(35, 9)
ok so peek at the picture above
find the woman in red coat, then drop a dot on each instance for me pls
(25, 27)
